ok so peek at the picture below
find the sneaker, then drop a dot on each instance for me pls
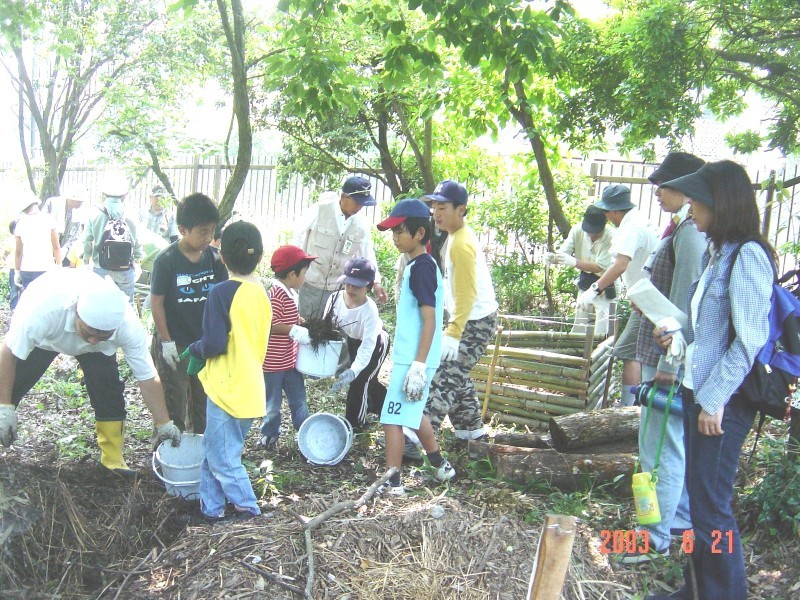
(637, 557)
(267, 442)
(445, 471)
(387, 489)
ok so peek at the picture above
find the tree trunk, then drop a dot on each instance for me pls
(596, 428)
(566, 472)
(524, 440)
(234, 34)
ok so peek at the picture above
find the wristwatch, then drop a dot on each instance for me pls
(596, 289)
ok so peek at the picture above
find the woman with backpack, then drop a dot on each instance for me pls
(728, 318)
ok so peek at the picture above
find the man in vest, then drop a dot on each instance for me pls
(334, 232)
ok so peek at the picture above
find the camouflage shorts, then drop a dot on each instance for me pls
(452, 393)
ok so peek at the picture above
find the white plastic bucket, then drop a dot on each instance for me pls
(179, 467)
(321, 362)
(324, 438)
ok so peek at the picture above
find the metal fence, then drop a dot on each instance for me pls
(278, 210)
(780, 215)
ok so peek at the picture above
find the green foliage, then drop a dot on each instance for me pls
(387, 254)
(746, 142)
(519, 220)
(774, 499)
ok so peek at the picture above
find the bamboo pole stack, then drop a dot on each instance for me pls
(527, 377)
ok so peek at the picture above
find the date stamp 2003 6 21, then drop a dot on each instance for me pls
(620, 541)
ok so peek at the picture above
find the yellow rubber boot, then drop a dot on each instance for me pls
(110, 439)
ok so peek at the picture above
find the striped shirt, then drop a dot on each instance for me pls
(282, 350)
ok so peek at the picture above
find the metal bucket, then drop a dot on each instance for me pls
(324, 438)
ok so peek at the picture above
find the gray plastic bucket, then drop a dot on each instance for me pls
(179, 467)
(324, 438)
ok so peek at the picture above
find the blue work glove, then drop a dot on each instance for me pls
(344, 379)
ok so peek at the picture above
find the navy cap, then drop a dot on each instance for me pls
(359, 190)
(693, 186)
(615, 197)
(449, 191)
(676, 164)
(411, 207)
(359, 272)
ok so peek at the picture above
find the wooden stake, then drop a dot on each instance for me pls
(552, 558)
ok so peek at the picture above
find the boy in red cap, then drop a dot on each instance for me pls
(290, 264)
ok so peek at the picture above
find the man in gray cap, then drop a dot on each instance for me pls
(334, 231)
(588, 249)
(633, 243)
(78, 313)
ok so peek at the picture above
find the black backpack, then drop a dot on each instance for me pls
(771, 384)
(116, 245)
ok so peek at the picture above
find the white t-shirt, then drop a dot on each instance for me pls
(360, 323)
(635, 239)
(35, 231)
(45, 318)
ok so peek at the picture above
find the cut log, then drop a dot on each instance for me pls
(524, 440)
(567, 472)
(595, 428)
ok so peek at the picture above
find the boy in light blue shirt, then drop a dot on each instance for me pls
(417, 343)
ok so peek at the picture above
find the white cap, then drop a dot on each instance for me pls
(115, 184)
(102, 306)
(25, 199)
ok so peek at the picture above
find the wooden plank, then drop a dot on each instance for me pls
(552, 558)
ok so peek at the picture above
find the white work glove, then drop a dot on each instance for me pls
(601, 312)
(677, 347)
(167, 431)
(299, 334)
(562, 258)
(415, 381)
(170, 353)
(8, 424)
(549, 258)
(18, 279)
(586, 299)
(449, 348)
(344, 379)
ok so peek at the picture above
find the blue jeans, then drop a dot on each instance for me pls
(711, 464)
(222, 475)
(673, 500)
(125, 280)
(277, 382)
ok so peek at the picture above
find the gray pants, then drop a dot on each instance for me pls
(312, 301)
(452, 393)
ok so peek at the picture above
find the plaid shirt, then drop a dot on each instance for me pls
(674, 281)
(719, 366)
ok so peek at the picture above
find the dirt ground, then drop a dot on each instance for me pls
(69, 531)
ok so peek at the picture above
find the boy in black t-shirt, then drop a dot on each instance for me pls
(183, 274)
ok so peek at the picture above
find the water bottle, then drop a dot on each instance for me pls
(642, 395)
(645, 500)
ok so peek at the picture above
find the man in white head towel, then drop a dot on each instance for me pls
(77, 312)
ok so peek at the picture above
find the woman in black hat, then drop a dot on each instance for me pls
(728, 318)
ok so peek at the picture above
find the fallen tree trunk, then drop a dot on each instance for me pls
(586, 430)
(524, 440)
(567, 472)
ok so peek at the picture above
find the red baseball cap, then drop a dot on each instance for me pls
(286, 257)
